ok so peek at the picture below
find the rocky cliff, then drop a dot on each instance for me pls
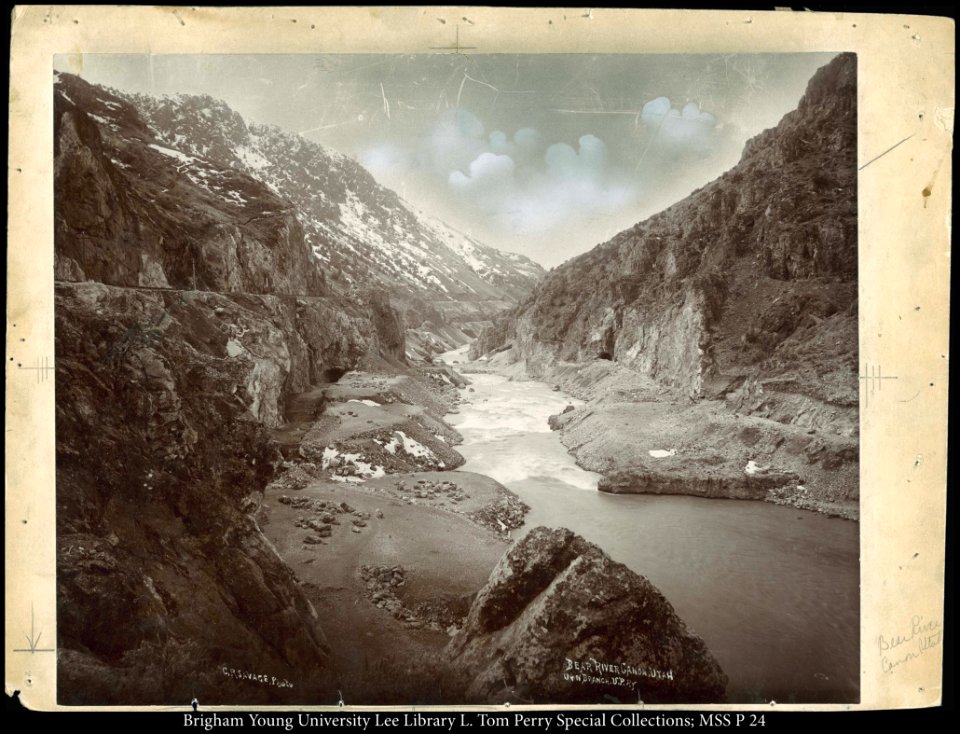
(189, 311)
(559, 622)
(743, 294)
(752, 276)
(446, 284)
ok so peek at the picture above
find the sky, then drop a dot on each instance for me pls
(547, 155)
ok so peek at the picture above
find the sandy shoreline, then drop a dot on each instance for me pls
(390, 563)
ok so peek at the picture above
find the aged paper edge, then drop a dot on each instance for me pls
(905, 89)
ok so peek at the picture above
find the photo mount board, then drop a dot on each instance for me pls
(905, 127)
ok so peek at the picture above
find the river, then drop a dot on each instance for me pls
(773, 591)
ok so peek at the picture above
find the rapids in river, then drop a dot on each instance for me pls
(773, 591)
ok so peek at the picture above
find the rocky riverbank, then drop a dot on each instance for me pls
(645, 438)
(387, 542)
(716, 341)
(398, 564)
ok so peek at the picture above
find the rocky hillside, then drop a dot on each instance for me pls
(740, 299)
(189, 312)
(749, 283)
(446, 284)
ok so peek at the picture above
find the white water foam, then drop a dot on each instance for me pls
(506, 435)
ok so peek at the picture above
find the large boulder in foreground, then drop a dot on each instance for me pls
(560, 622)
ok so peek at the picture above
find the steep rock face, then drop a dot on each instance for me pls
(745, 289)
(161, 453)
(360, 235)
(560, 622)
(677, 479)
(121, 218)
(188, 312)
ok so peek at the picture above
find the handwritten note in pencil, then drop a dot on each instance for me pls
(910, 643)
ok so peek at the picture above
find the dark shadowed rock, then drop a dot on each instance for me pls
(558, 421)
(560, 622)
(187, 315)
(697, 481)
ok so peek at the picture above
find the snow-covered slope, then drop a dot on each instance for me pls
(446, 284)
(358, 229)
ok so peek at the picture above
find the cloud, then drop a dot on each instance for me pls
(508, 183)
(452, 143)
(523, 189)
(499, 142)
(487, 172)
(686, 130)
(563, 161)
(384, 159)
(526, 144)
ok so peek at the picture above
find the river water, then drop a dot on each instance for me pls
(772, 590)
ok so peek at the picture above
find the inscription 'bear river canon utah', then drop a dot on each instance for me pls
(895, 650)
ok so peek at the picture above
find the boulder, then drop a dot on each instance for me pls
(560, 622)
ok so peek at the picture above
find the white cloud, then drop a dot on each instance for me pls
(384, 159)
(679, 130)
(541, 191)
(452, 143)
(487, 170)
(591, 159)
(511, 182)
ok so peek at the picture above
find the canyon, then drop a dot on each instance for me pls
(276, 382)
(728, 321)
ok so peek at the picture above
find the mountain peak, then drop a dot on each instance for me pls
(359, 232)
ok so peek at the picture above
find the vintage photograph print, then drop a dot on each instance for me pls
(456, 378)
